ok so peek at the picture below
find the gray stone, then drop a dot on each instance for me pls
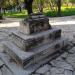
(73, 72)
(59, 59)
(47, 73)
(23, 58)
(43, 69)
(68, 72)
(1, 63)
(72, 50)
(14, 68)
(0, 72)
(36, 55)
(48, 49)
(34, 23)
(62, 64)
(64, 55)
(6, 71)
(55, 71)
(35, 74)
(71, 60)
(27, 42)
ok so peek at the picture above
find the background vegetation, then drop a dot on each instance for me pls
(16, 8)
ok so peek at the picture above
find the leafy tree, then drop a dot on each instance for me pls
(58, 2)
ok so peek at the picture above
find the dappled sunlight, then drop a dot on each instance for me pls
(8, 25)
(63, 22)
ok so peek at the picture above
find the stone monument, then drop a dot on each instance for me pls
(32, 45)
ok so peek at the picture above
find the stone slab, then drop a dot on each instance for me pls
(43, 69)
(43, 52)
(62, 64)
(27, 42)
(57, 71)
(24, 58)
(68, 72)
(14, 68)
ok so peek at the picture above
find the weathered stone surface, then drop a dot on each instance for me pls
(71, 59)
(24, 58)
(56, 71)
(48, 49)
(62, 64)
(35, 74)
(14, 68)
(35, 23)
(72, 50)
(62, 57)
(43, 69)
(68, 72)
(47, 73)
(27, 42)
(1, 63)
(73, 72)
(6, 71)
(0, 72)
(34, 56)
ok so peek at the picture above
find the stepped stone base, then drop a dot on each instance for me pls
(35, 55)
(28, 42)
(34, 45)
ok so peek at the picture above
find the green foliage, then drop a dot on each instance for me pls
(65, 12)
(49, 7)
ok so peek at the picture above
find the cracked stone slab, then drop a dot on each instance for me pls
(62, 57)
(14, 68)
(6, 71)
(43, 69)
(68, 72)
(71, 59)
(73, 72)
(61, 64)
(72, 50)
(0, 72)
(35, 74)
(56, 71)
(47, 73)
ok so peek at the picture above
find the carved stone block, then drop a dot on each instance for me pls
(35, 23)
(28, 42)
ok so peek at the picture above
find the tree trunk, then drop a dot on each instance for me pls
(41, 6)
(0, 14)
(59, 7)
(28, 6)
(20, 10)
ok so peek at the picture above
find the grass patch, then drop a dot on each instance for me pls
(66, 11)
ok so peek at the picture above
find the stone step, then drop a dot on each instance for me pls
(36, 55)
(46, 50)
(27, 42)
(14, 68)
(18, 55)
